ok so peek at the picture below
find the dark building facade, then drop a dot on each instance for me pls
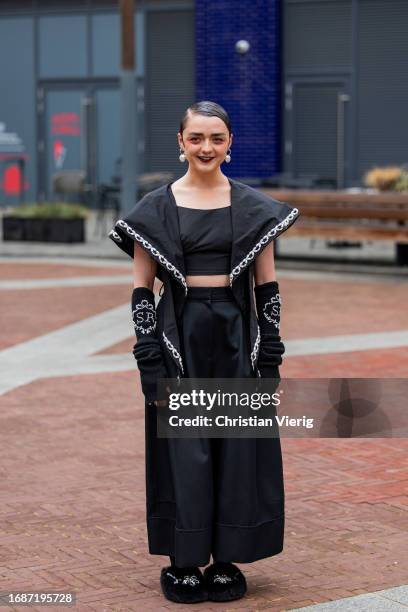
(313, 87)
(344, 88)
(60, 103)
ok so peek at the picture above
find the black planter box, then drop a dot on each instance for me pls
(44, 230)
(402, 254)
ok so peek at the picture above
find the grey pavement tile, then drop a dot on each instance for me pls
(399, 594)
(392, 600)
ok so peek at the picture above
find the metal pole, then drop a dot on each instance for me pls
(128, 107)
(341, 100)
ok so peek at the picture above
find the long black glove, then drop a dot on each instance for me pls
(147, 350)
(271, 348)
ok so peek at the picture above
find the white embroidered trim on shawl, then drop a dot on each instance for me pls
(173, 351)
(255, 350)
(115, 236)
(156, 254)
(278, 229)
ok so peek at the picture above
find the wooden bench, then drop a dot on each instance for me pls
(341, 215)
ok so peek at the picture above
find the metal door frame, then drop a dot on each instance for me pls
(289, 152)
(89, 147)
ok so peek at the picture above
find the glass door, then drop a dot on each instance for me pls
(80, 133)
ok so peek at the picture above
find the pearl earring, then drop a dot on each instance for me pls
(228, 157)
(182, 157)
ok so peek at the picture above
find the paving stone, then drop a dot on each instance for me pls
(72, 504)
(375, 602)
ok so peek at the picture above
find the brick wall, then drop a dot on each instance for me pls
(248, 86)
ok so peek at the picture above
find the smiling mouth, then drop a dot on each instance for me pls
(205, 159)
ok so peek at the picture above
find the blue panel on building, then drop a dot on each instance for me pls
(106, 45)
(247, 85)
(63, 46)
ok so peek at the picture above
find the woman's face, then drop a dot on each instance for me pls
(205, 142)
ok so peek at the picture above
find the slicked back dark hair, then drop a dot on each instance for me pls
(208, 109)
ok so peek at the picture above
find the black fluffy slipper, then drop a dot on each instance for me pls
(183, 585)
(224, 582)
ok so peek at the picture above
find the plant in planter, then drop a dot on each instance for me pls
(47, 222)
(388, 178)
(402, 183)
(395, 179)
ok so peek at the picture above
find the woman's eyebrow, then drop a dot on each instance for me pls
(201, 134)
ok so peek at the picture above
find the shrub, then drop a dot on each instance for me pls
(51, 210)
(383, 179)
(402, 183)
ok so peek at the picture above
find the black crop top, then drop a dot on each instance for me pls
(206, 237)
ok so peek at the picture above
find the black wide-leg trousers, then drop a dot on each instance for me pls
(214, 496)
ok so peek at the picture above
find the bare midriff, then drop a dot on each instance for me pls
(207, 280)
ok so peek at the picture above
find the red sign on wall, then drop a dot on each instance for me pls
(59, 153)
(12, 170)
(66, 123)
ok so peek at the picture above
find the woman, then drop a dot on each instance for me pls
(207, 238)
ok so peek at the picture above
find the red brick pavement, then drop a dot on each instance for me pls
(72, 505)
(313, 308)
(384, 363)
(28, 270)
(28, 313)
(72, 508)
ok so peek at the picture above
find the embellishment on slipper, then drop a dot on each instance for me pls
(144, 317)
(191, 580)
(172, 576)
(271, 310)
(222, 578)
